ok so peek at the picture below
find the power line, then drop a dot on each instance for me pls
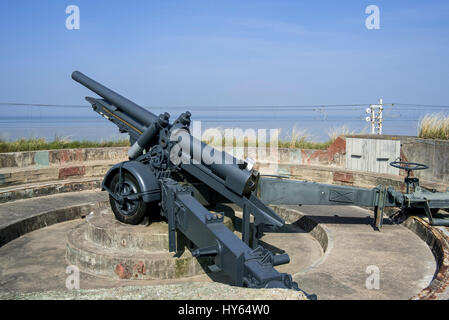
(417, 105)
(328, 109)
(311, 107)
(43, 105)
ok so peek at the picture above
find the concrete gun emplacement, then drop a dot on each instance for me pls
(172, 174)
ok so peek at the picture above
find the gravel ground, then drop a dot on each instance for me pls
(185, 291)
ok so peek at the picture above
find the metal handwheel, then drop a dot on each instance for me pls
(409, 167)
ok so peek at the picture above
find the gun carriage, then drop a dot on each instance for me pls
(173, 174)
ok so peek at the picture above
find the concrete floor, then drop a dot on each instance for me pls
(405, 262)
(36, 261)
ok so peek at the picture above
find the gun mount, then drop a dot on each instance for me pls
(173, 174)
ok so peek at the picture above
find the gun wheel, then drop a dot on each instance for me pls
(130, 211)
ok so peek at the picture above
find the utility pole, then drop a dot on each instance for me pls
(375, 117)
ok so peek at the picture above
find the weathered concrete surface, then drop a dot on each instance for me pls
(129, 263)
(19, 168)
(10, 176)
(42, 159)
(185, 291)
(23, 216)
(36, 261)
(437, 238)
(431, 152)
(405, 262)
(103, 246)
(32, 190)
(332, 156)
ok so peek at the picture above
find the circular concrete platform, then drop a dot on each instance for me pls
(37, 261)
(104, 246)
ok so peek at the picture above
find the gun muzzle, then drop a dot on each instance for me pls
(127, 106)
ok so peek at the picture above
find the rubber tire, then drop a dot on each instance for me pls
(139, 213)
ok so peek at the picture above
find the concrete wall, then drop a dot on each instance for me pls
(47, 158)
(334, 156)
(372, 155)
(434, 153)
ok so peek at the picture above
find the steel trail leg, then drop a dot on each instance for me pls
(246, 220)
(250, 231)
(440, 222)
(255, 229)
(434, 221)
(253, 268)
(379, 209)
(169, 201)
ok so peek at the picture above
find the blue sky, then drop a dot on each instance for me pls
(213, 53)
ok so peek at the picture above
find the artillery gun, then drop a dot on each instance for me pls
(172, 174)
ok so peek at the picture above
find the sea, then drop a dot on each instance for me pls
(317, 124)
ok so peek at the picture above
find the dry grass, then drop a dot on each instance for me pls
(58, 143)
(434, 126)
(299, 139)
(335, 132)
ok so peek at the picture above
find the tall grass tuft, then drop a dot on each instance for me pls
(299, 139)
(335, 132)
(434, 126)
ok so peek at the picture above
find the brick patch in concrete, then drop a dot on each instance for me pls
(72, 171)
(345, 177)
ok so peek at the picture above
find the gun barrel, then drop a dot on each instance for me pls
(140, 114)
(236, 175)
